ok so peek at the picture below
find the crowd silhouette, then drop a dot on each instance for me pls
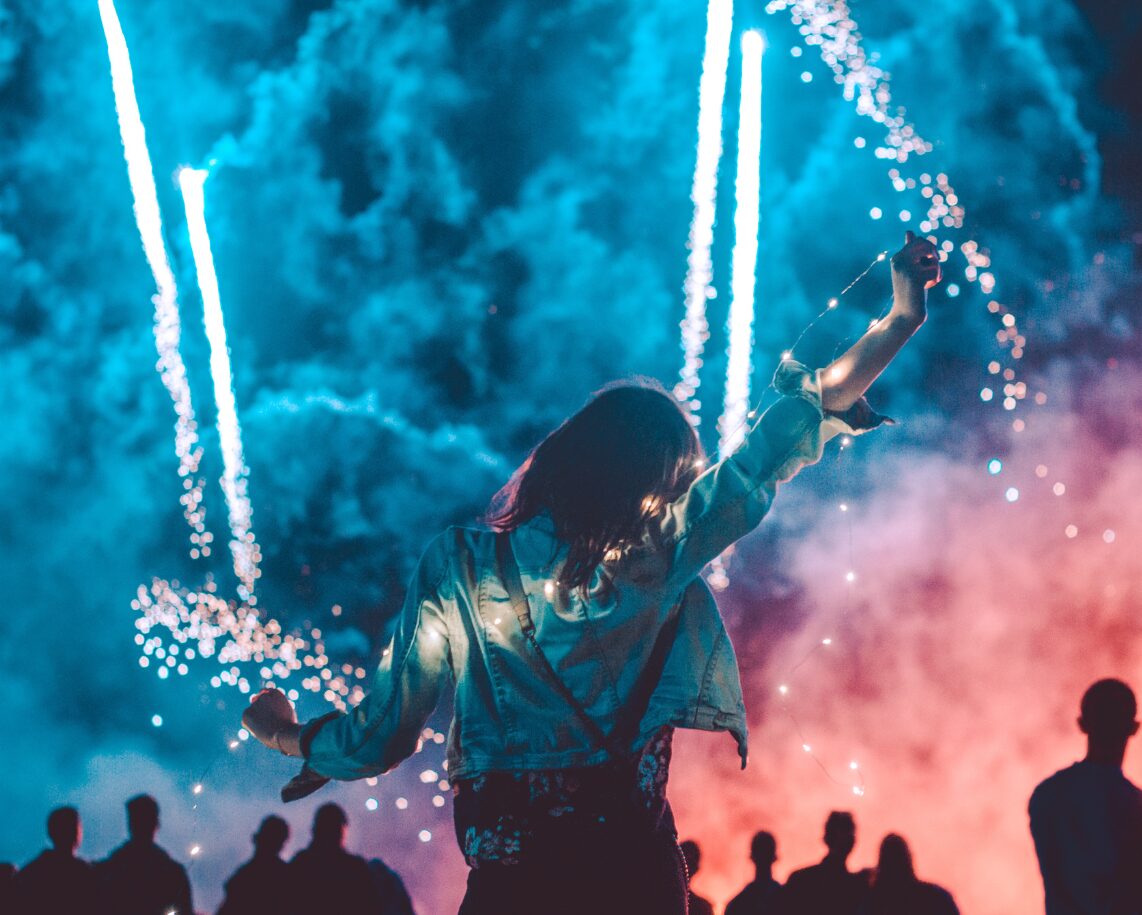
(1086, 822)
(140, 878)
(830, 888)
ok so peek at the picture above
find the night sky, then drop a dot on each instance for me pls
(437, 228)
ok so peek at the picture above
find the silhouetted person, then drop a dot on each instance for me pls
(325, 877)
(141, 878)
(1086, 820)
(761, 896)
(895, 890)
(261, 885)
(394, 897)
(828, 888)
(56, 880)
(693, 857)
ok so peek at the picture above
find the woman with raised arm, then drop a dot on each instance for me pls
(578, 634)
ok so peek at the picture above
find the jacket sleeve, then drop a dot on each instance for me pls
(729, 500)
(384, 728)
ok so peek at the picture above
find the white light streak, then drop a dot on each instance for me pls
(234, 474)
(167, 329)
(215, 627)
(731, 426)
(703, 194)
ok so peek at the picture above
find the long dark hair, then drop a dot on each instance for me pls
(894, 869)
(603, 473)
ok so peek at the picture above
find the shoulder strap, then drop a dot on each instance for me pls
(630, 714)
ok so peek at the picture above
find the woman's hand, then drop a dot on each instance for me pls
(271, 718)
(915, 270)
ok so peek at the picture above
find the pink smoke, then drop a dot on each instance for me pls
(954, 680)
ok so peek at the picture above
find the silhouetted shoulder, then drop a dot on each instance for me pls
(756, 899)
(394, 897)
(1076, 780)
(1053, 784)
(938, 901)
(55, 882)
(801, 875)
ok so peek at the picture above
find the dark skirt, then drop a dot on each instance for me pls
(598, 840)
(623, 865)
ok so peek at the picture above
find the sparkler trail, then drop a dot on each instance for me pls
(829, 25)
(167, 328)
(243, 547)
(731, 426)
(703, 194)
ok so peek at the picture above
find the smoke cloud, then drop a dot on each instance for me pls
(437, 228)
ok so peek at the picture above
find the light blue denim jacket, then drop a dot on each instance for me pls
(458, 626)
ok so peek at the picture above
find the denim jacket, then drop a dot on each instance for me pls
(458, 626)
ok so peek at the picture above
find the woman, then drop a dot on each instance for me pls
(579, 634)
(894, 888)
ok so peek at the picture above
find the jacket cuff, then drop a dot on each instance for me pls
(309, 731)
(793, 379)
(307, 780)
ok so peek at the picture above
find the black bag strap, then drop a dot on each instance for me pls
(630, 714)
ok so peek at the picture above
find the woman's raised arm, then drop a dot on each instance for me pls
(915, 270)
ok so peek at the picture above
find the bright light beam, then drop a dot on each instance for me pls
(731, 426)
(234, 475)
(167, 329)
(703, 194)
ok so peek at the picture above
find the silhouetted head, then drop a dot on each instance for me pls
(763, 849)
(64, 829)
(143, 817)
(603, 473)
(840, 833)
(692, 855)
(1108, 712)
(271, 836)
(329, 825)
(894, 867)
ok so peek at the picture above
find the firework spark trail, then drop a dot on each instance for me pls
(703, 194)
(243, 546)
(829, 25)
(167, 328)
(731, 426)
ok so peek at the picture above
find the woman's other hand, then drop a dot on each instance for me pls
(271, 718)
